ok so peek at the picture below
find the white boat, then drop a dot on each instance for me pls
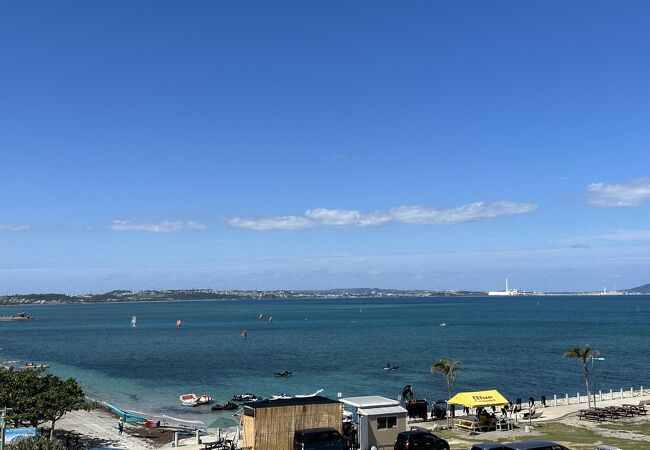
(188, 399)
(309, 395)
(195, 400)
(279, 397)
(134, 321)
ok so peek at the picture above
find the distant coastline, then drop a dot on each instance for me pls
(120, 296)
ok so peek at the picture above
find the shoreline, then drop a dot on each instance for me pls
(393, 296)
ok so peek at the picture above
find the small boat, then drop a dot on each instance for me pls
(309, 395)
(389, 368)
(134, 321)
(188, 399)
(286, 373)
(195, 400)
(179, 322)
(224, 406)
(247, 397)
(34, 366)
(260, 317)
(19, 316)
(443, 324)
(244, 333)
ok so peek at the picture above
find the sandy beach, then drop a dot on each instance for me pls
(97, 428)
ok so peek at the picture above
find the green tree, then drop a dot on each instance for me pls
(448, 370)
(36, 398)
(59, 397)
(19, 390)
(37, 443)
(583, 354)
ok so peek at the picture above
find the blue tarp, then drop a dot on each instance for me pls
(15, 434)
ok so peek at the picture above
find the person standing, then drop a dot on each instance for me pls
(120, 425)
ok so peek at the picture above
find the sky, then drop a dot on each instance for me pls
(324, 144)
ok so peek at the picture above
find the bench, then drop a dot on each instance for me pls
(219, 445)
(528, 416)
(467, 424)
(636, 409)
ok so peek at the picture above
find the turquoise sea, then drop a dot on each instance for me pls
(512, 344)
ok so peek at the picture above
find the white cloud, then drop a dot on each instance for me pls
(631, 193)
(272, 223)
(626, 235)
(422, 215)
(9, 227)
(166, 226)
(467, 213)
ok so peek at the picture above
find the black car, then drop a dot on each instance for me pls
(319, 439)
(420, 440)
(535, 445)
(521, 445)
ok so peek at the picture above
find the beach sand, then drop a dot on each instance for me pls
(97, 428)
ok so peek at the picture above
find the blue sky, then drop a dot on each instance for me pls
(429, 145)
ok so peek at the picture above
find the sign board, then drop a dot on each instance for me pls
(13, 435)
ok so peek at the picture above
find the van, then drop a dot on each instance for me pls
(319, 439)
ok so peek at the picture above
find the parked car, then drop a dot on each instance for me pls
(606, 447)
(489, 446)
(420, 440)
(521, 445)
(319, 439)
(534, 445)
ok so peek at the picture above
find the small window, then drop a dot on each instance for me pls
(386, 423)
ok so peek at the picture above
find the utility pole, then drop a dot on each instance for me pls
(3, 421)
(593, 376)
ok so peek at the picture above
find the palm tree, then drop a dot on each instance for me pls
(447, 369)
(583, 354)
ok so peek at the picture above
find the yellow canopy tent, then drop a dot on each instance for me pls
(478, 398)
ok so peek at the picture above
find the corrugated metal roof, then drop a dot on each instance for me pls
(295, 401)
(381, 411)
(369, 401)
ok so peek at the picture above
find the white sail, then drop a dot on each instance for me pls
(134, 321)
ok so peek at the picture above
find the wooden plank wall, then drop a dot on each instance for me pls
(273, 428)
(248, 431)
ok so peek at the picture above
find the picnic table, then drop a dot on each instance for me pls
(639, 410)
(591, 414)
(467, 423)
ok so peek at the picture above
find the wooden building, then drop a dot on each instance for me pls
(271, 424)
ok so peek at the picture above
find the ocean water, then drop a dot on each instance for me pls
(512, 344)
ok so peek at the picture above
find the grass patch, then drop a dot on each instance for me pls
(634, 427)
(575, 438)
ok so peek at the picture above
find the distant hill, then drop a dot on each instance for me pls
(211, 294)
(645, 289)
